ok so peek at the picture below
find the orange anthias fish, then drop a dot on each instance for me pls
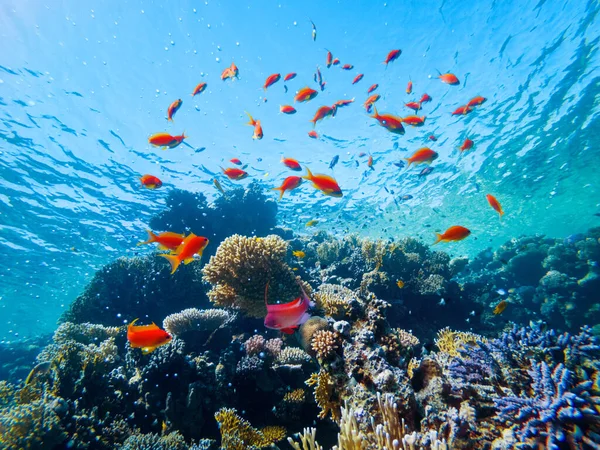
(165, 140)
(236, 161)
(329, 59)
(287, 317)
(313, 134)
(425, 98)
(199, 89)
(291, 163)
(357, 78)
(466, 145)
(370, 162)
(414, 121)
(449, 78)
(289, 184)
(372, 88)
(461, 111)
(322, 112)
(347, 67)
(326, 184)
(500, 307)
(409, 87)
(191, 245)
(150, 182)
(342, 103)
(166, 241)
(422, 155)
(369, 102)
(305, 94)
(335, 62)
(146, 337)
(476, 101)
(287, 109)
(413, 105)
(258, 132)
(271, 80)
(235, 174)
(392, 56)
(173, 108)
(494, 203)
(289, 76)
(392, 123)
(455, 233)
(230, 72)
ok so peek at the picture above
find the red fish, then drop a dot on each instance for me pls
(287, 109)
(455, 233)
(476, 101)
(414, 121)
(236, 161)
(166, 241)
(372, 88)
(291, 163)
(329, 59)
(449, 78)
(494, 203)
(409, 87)
(191, 245)
(335, 62)
(289, 184)
(369, 102)
(466, 145)
(289, 76)
(432, 138)
(313, 134)
(230, 72)
(173, 108)
(305, 94)
(370, 162)
(271, 80)
(392, 123)
(199, 89)
(392, 56)
(422, 155)
(150, 182)
(287, 317)
(235, 174)
(322, 112)
(258, 132)
(425, 98)
(357, 78)
(165, 140)
(326, 184)
(347, 67)
(413, 105)
(461, 111)
(342, 103)
(146, 337)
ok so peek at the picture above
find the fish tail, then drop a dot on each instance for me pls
(500, 214)
(375, 113)
(409, 162)
(439, 238)
(280, 191)
(173, 260)
(151, 238)
(252, 122)
(309, 176)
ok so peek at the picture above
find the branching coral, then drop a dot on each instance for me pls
(324, 394)
(450, 342)
(307, 439)
(335, 299)
(325, 343)
(238, 434)
(151, 441)
(241, 269)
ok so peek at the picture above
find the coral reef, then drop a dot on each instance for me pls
(238, 434)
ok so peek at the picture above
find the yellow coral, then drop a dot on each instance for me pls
(295, 396)
(325, 343)
(324, 393)
(334, 299)
(271, 435)
(413, 364)
(238, 434)
(450, 342)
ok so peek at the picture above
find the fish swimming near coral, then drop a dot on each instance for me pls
(147, 337)
(454, 233)
(324, 183)
(39, 370)
(311, 223)
(299, 254)
(166, 241)
(191, 245)
(500, 307)
(287, 317)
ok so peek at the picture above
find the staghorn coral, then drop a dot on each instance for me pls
(325, 344)
(241, 269)
(238, 434)
(193, 319)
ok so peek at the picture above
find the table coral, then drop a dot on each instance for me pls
(193, 319)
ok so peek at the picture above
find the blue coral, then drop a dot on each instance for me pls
(555, 410)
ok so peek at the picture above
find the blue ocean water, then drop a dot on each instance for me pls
(83, 85)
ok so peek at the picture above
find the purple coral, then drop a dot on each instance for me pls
(555, 411)
(476, 365)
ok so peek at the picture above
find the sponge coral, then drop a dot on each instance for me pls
(241, 269)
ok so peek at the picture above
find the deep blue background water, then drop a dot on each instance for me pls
(83, 85)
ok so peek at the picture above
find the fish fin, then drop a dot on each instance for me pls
(289, 330)
(309, 175)
(439, 238)
(188, 260)
(173, 260)
(409, 162)
(375, 113)
(162, 247)
(304, 318)
(252, 122)
(281, 191)
(151, 238)
(147, 350)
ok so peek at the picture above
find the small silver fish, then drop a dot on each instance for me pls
(501, 291)
(442, 302)
(472, 313)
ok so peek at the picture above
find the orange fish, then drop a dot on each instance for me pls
(289, 184)
(369, 102)
(392, 123)
(230, 72)
(372, 88)
(146, 337)
(173, 108)
(414, 121)
(455, 233)
(494, 203)
(392, 56)
(347, 67)
(422, 155)
(287, 317)
(199, 89)
(342, 103)
(236, 161)
(449, 78)
(370, 162)
(476, 101)
(335, 62)
(289, 76)
(235, 174)
(329, 59)
(461, 111)
(500, 307)
(326, 184)
(287, 109)
(165, 140)
(409, 87)
(322, 112)
(357, 78)
(166, 241)
(271, 80)
(425, 98)
(291, 163)
(466, 145)
(191, 245)
(413, 105)
(258, 132)
(305, 94)
(150, 182)
(313, 134)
